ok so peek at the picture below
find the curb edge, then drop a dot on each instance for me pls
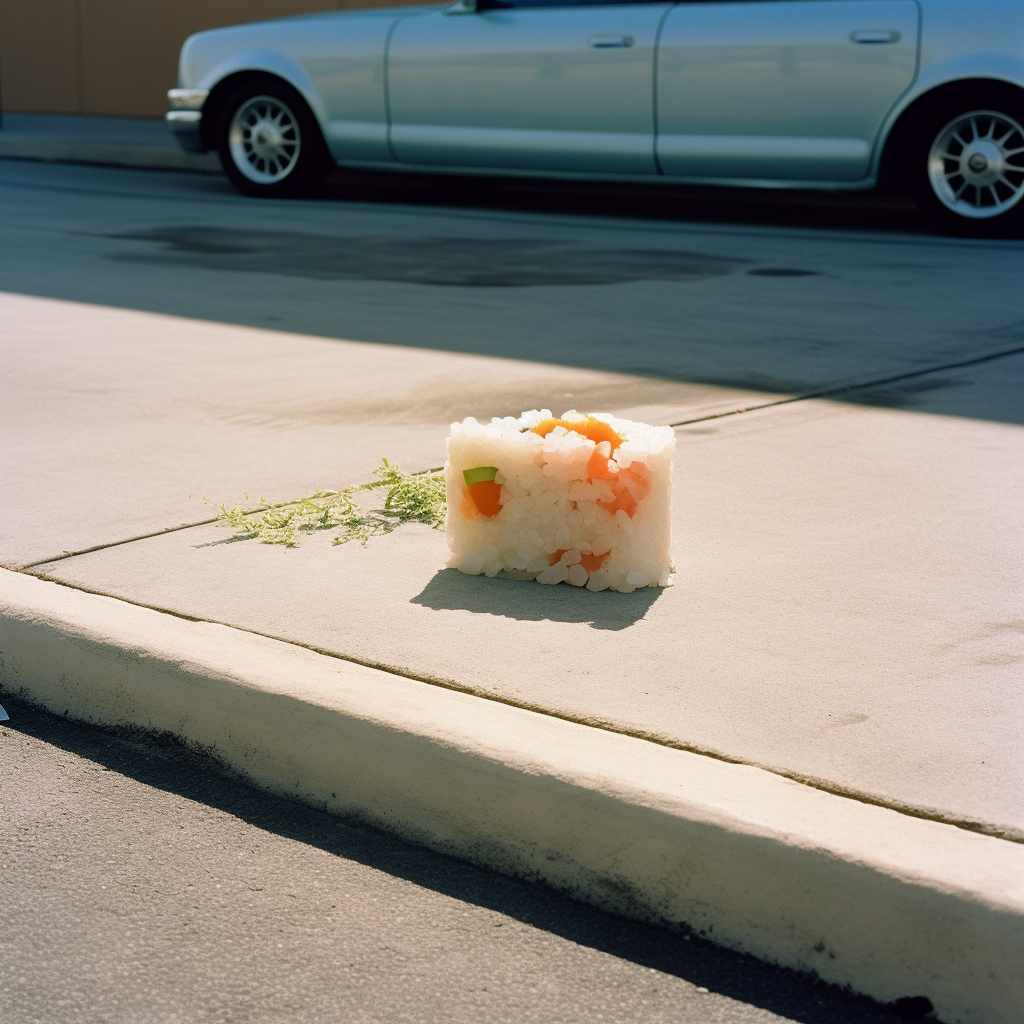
(863, 896)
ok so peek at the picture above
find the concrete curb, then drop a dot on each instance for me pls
(118, 154)
(864, 896)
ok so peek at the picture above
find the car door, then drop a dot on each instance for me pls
(780, 89)
(532, 84)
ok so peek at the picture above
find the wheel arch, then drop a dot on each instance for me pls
(899, 138)
(223, 82)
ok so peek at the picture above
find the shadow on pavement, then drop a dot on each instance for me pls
(167, 765)
(708, 204)
(451, 590)
(425, 267)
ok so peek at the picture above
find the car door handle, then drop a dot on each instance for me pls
(603, 42)
(875, 36)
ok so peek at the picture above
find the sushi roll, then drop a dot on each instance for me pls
(581, 499)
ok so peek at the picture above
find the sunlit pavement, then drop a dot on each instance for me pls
(848, 474)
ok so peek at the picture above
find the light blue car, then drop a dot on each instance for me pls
(923, 95)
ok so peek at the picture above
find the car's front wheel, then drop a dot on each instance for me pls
(970, 166)
(269, 143)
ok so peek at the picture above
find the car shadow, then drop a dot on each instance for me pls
(451, 590)
(711, 204)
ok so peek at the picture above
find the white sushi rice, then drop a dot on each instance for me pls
(550, 506)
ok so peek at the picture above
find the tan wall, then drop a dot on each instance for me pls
(39, 65)
(114, 56)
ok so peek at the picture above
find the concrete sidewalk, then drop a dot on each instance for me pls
(84, 139)
(837, 642)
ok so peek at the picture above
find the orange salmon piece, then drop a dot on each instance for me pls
(594, 429)
(468, 506)
(627, 503)
(637, 473)
(486, 496)
(623, 500)
(556, 557)
(632, 485)
(592, 562)
(636, 481)
(598, 468)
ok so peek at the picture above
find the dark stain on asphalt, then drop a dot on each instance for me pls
(782, 272)
(462, 262)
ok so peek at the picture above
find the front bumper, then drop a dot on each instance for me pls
(185, 118)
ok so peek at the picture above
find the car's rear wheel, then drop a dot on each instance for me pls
(969, 165)
(269, 143)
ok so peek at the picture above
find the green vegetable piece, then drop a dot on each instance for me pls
(480, 474)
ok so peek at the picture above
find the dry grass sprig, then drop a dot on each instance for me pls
(410, 498)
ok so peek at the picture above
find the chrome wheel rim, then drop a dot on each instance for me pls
(264, 140)
(976, 164)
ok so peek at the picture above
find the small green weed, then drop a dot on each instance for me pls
(411, 498)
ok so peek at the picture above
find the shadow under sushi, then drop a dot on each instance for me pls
(451, 590)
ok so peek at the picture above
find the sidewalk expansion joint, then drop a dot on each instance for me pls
(843, 389)
(812, 782)
(170, 529)
(112, 544)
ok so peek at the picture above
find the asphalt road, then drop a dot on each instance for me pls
(793, 298)
(140, 883)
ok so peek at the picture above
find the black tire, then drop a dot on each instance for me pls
(269, 143)
(967, 162)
